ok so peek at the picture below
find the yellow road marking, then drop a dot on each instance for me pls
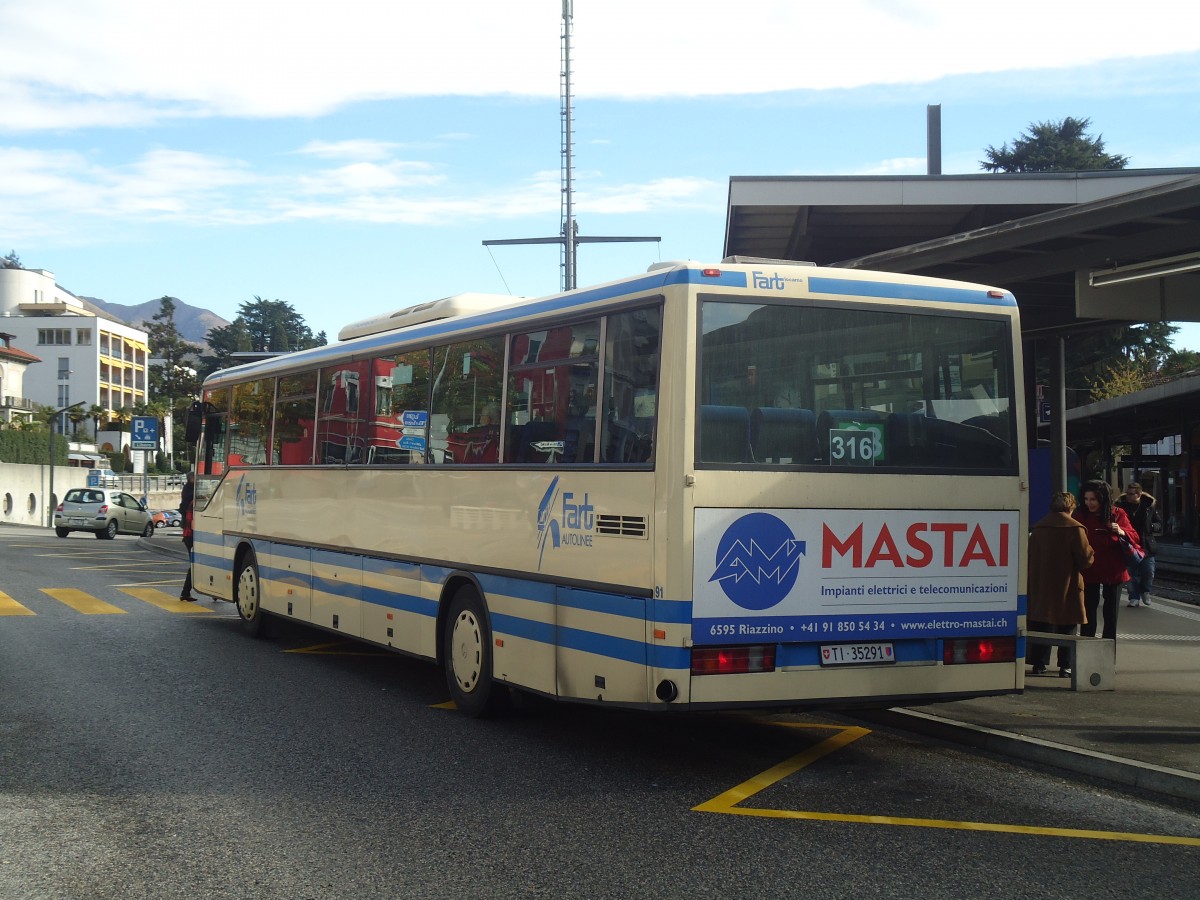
(83, 602)
(449, 704)
(163, 600)
(328, 650)
(729, 802)
(10, 607)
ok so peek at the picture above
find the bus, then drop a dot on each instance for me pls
(750, 484)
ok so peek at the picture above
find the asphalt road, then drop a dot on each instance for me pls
(149, 752)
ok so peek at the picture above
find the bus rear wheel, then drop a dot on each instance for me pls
(467, 655)
(247, 594)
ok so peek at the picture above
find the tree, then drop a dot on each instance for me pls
(97, 414)
(77, 415)
(262, 326)
(175, 376)
(1062, 146)
(275, 327)
(224, 342)
(1120, 378)
(12, 261)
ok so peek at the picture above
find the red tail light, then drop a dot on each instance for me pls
(58, 508)
(733, 660)
(979, 650)
(103, 509)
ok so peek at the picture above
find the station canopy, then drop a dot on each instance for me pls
(1076, 248)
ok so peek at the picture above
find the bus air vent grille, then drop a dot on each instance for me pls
(621, 526)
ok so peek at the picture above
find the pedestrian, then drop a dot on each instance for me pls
(1107, 528)
(1139, 506)
(1058, 553)
(185, 512)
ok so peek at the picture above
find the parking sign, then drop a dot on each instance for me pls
(143, 433)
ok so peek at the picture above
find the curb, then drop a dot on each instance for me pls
(1146, 776)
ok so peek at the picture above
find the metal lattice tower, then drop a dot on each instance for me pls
(568, 146)
(568, 237)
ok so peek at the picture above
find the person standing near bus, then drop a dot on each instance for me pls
(1058, 553)
(1139, 506)
(185, 511)
(1107, 526)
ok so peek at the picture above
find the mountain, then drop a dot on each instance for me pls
(192, 322)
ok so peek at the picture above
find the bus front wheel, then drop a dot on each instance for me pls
(247, 597)
(467, 654)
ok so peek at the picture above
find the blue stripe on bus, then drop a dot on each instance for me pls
(696, 276)
(1022, 605)
(892, 291)
(515, 626)
(401, 601)
(624, 649)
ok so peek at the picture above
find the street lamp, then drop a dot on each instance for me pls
(53, 416)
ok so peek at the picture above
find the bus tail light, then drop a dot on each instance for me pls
(733, 660)
(710, 273)
(979, 650)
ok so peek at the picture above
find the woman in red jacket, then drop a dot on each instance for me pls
(1107, 527)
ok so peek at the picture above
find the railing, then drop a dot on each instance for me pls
(19, 403)
(133, 484)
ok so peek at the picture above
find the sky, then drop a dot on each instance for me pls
(350, 158)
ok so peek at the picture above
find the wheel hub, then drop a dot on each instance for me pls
(466, 651)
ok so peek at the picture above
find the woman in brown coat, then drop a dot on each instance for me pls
(1058, 552)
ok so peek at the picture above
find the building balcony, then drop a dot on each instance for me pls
(23, 403)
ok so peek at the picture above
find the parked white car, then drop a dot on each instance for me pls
(103, 511)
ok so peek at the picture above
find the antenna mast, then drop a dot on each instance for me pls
(569, 238)
(568, 147)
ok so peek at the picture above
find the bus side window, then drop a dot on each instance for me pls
(630, 397)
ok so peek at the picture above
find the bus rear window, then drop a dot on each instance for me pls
(853, 389)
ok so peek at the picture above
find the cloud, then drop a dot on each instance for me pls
(68, 196)
(361, 149)
(82, 63)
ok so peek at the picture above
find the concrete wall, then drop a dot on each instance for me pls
(25, 491)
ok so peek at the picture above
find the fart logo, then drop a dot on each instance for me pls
(564, 520)
(758, 559)
(246, 497)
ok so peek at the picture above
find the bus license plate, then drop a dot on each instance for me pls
(854, 654)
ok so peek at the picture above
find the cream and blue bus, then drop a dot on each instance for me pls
(750, 484)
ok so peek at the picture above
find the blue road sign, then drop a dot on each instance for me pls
(143, 433)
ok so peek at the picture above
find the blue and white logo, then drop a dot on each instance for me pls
(758, 559)
(246, 497)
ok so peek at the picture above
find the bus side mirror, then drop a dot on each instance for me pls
(195, 418)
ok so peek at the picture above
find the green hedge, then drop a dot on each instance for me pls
(31, 447)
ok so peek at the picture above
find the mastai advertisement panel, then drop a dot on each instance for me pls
(803, 575)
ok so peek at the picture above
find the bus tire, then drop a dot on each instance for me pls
(247, 596)
(467, 656)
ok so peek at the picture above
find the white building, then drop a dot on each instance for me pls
(13, 362)
(84, 357)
